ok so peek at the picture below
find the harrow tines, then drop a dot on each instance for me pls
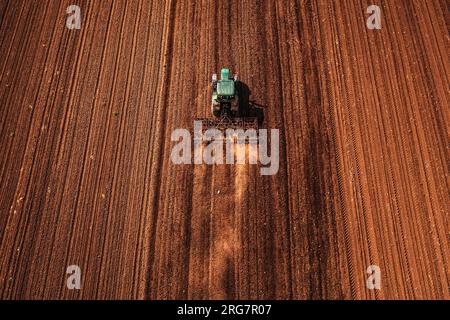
(246, 129)
(229, 123)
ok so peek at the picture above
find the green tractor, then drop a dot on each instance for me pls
(227, 105)
(225, 97)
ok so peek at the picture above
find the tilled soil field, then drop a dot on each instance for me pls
(85, 163)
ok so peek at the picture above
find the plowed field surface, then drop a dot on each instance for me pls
(86, 176)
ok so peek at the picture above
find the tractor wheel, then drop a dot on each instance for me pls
(215, 112)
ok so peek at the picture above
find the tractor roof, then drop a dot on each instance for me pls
(225, 88)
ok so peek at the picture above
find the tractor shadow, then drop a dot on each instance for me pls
(248, 108)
